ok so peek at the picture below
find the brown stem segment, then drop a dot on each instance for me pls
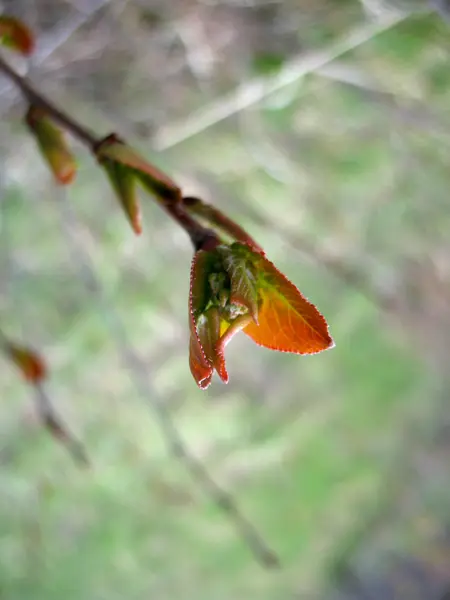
(217, 220)
(201, 237)
(34, 97)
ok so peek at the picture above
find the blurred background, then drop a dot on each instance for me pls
(324, 128)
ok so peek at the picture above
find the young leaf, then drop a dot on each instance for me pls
(200, 365)
(123, 181)
(208, 329)
(243, 278)
(16, 35)
(52, 144)
(287, 321)
(201, 368)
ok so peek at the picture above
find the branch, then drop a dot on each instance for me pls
(217, 220)
(200, 236)
(174, 441)
(34, 371)
(36, 98)
(258, 89)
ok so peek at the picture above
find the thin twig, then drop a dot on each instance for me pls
(56, 428)
(36, 98)
(218, 220)
(45, 410)
(200, 236)
(134, 363)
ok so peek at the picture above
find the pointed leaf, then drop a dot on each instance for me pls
(208, 329)
(288, 322)
(52, 144)
(30, 364)
(123, 181)
(112, 148)
(203, 264)
(16, 35)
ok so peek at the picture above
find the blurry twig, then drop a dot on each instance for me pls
(413, 112)
(35, 97)
(33, 370)
(170, 196)
(50, 42)
(139, 370)
(258, 89)
(56, 428)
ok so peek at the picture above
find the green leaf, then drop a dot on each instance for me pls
(243, 277)
(52, 144)
(123, 180)
(204, 264)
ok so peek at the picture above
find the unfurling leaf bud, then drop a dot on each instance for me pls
(16, 35)
(125, 167)
(114, 149)
(234, 287)
(52, 144)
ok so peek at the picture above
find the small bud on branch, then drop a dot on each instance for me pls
(14, 34)
(52, 144)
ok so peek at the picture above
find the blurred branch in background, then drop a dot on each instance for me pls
(256, 90)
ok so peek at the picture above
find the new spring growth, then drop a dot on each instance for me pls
(125, 168)
(233, 288)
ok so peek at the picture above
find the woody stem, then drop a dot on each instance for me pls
(200, 236)
(218, 220)
(36, 98)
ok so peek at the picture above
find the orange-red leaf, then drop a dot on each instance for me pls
(288, 322)
(30, 364)
(52, 144)
(16, 35)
